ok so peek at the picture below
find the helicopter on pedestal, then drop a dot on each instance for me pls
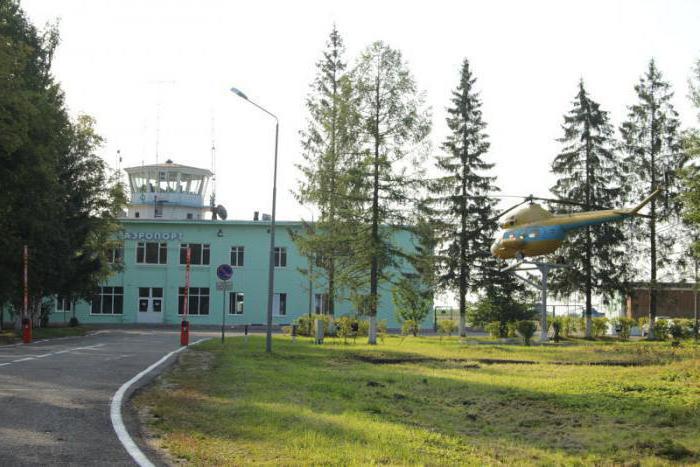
(534, 231)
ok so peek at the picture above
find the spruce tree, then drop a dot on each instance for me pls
(460, 197)
(588, 171)
(651, 139)
(329, 152)
(395, 126)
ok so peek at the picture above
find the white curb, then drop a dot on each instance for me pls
(116, 411)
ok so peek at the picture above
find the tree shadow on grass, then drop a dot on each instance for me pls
(408, 394)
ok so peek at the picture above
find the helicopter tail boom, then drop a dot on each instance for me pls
(646, 201)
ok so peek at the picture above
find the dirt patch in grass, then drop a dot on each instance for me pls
(474, 362)
(666, 449)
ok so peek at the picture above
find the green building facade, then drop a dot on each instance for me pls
(150, 286)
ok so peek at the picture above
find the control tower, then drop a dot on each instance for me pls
(168, 191)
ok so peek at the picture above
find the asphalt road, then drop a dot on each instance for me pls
(55, 395)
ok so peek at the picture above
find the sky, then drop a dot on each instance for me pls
(156, 75)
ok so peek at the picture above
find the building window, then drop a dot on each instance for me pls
(235, 304)
(280, 257)
(115, 255)
(279, 304)
(198, 301)
(150, 299)
(152, 253)
(237, 256)
(63, 305)
(199, 253)
(321, 303)
(108, 301)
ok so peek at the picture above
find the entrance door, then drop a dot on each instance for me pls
(150, 305)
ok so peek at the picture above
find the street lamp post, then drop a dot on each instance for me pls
(271, 272)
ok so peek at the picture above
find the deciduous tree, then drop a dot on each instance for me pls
(395, 126)
(330, 162)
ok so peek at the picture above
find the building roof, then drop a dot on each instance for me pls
(279, 223)
(169, 165)
(663, 285)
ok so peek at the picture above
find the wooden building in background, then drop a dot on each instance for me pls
(674, 300)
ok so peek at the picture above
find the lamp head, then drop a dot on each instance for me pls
(239, 93)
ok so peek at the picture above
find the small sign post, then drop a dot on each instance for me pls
(224, 272)
(26, 320)
(185, 325)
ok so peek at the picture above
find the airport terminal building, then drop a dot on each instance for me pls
(166, 215)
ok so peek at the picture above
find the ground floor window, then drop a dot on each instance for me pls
(198, 301)
(150, 299)
(235, 304)
(321, 303)
(279, 304)
(108, 301)
(63, 305)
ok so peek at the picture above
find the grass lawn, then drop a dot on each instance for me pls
(10, 336)
(429, 401)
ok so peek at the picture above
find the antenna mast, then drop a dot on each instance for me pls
(213, 158)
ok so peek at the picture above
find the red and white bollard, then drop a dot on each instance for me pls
(185, 333)
(26, 330)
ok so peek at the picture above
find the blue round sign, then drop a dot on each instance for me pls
(224, 272)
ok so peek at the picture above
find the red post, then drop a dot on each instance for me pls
(26, 321)
(185, 325)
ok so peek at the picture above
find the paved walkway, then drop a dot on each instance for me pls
(55, 395)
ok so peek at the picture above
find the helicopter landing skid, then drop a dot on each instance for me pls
(543, 267)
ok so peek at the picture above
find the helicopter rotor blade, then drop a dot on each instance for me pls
(502, 213)
(572, 203)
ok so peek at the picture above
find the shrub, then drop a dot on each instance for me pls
(409, 326)
(382, 329)
(643, 323)
(557, 325)
(661, 328)
(678, 329)
(512, 328)
(305, 324)
(73, 322)
(623, 326)
(363, 328)
(348, 327)
(501, 309)
(569, 325)
(526, 329)
(412, 301)
(493, 328)
(447, 326)
(599, 326)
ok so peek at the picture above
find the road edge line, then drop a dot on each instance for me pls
(115, 411)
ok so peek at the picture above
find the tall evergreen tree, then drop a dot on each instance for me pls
(651, 138)
(395, 127)
(460, 197)
(588, 171)
(329, 155)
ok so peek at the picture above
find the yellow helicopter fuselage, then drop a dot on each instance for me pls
(534, 231)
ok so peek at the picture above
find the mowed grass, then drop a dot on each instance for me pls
(10, 336)
(429, 401)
